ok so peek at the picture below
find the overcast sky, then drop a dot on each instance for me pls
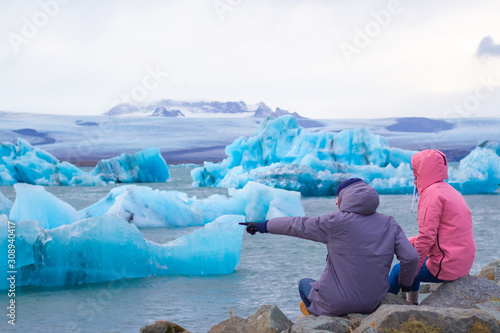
(322, 59)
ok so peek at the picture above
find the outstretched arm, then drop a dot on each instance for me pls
(312, 228)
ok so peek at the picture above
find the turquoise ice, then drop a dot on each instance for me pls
(146, 207)
(283, 155)
(478, 172)
(109, 248)
(33, 202)
(27, 164)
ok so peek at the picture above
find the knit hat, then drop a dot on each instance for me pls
(346, 183)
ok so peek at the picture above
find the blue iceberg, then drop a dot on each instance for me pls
(283, 155)
(146, 166)
(109, 248)
(27, 164)
(146, 207)
(478, 172)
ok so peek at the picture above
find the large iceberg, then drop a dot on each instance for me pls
(27, 164)
(109, 248)
(283, 155)
(146, 207)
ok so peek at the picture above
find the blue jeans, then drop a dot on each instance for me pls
(305, 289)
(423, 276)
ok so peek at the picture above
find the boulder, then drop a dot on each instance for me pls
(267, 319)
(426, 288)
(465, 293)
(162, 327)
(314, 324)
(434, 319)
(391, 299)
(233, 324)
(491, 271)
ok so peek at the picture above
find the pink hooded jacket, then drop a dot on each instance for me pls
(444, 220)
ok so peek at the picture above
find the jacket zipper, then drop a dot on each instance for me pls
(441, 261)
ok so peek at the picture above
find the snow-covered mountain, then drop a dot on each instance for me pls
(173, 108)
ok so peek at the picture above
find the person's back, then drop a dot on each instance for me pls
(444, 220)
(361, 244)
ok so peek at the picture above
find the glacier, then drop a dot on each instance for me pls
(109, 248)
(283, 155)
(27, 164)
(146, 207)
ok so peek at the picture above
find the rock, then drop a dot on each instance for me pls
(451, 320)
(314, 324)
(492, 307)
(491, 271)
(391, 299)
(267, 319)
(228, 326)
(465, 293)
(162, 327)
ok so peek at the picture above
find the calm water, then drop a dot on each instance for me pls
(268, 273)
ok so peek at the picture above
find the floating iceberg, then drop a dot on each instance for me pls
(27, 164)
(146, 207)
(109, 248)
(478, 172)
(5, 205)
(283, 155)
(146, 166)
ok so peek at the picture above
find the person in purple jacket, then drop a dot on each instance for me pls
(361, 244)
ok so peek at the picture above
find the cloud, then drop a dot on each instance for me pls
(488, 48)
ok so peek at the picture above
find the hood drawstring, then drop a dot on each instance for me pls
(415, 197)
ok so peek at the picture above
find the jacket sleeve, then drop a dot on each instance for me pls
(429, 215)
(312, 228)
(407, 256)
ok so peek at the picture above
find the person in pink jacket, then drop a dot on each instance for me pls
(445, 241)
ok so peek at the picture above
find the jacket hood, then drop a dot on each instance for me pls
(359, 198)
(429, 166)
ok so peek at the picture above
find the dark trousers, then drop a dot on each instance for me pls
(423, 276)
(305, 289)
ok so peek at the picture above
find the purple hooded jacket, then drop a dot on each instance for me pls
(361, 244)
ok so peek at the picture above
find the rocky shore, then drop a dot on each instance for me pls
(469, 304)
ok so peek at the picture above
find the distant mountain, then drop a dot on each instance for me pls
(173, 108)
(419, 125)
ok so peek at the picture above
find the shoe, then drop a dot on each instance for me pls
(303, 309)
